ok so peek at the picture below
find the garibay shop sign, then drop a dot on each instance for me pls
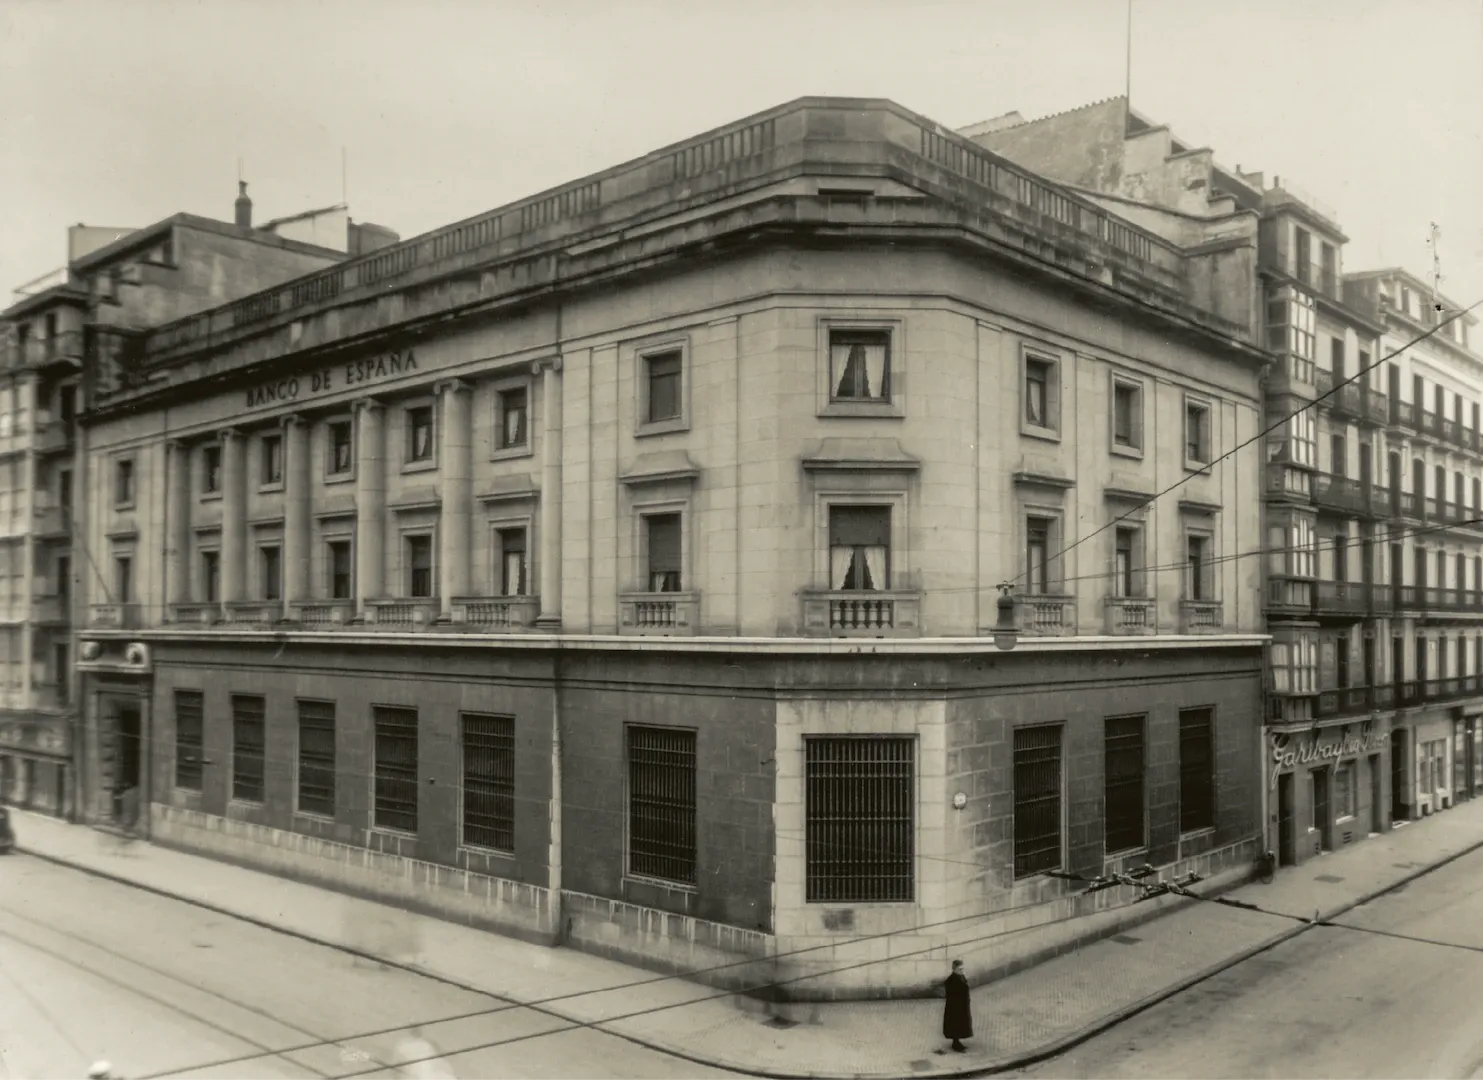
(1287, 756)
(329, 379)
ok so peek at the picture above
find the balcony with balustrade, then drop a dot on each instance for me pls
(115, 616)
(853, 613)
(1348, 400)
(1201, 616)
(402, 613)
(494, 614)
(195, 613)
(1345, 601)
(322, 614)
(677, 614)
(1046, 614)
(1342, 494)
(1131, 616)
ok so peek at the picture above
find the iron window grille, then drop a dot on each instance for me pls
(661, 804)
(1123, 823)
(317, 757)
(664, 372)
(249, 713)
(190, 711)
(395, 796)
(860, 821)
(860, 365)
(514, 412)
(1123, 580)
(1037, 799)
(1196, 770)
(340, 447)
(489, 781)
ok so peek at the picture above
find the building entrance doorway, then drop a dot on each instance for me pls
(1287, 854)
(1323, 817)
(1398, 776)
(127, 759)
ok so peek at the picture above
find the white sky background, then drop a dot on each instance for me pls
(122, 113)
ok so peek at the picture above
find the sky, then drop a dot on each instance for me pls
(120, 114)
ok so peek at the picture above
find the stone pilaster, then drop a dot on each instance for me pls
(370, 502)
(178, 523)
(550, 518)
(456, 463)
(233, 516)
(295, 512)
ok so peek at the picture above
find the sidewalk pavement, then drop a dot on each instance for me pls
(1025, 1017)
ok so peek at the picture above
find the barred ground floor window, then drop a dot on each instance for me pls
(1196, 769)
(1124, 814)
(249, 721)
(859, 819)
(190, 712)
(395, 801)
(489, 781)
(317, 757)
(661, 803)
(1037, 799)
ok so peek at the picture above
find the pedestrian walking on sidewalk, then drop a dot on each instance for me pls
(957, 1012)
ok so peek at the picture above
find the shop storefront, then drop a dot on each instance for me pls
(1429, 768)
(1329, 788)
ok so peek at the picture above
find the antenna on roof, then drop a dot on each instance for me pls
(1128, 63)
(239, 161)
(1432, 238)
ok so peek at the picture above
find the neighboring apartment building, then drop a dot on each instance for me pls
(1367, 556)
(118, 283)
(620, 567)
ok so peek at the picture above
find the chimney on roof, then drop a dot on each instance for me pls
(244, 206)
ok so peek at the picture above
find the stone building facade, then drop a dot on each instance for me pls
(620, 567)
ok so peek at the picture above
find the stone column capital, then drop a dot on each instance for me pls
(227, 435)
(368, 404)
(549, 363)
(293, 420)
(451, 386)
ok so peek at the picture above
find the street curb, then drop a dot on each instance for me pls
(1017, 1060)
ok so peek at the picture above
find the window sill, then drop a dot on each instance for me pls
(388, 831)
(506, 453)
(210, 496)
(1193, 466)
(276, 485)
(888, 409)
(123, 507)
(1195, 834)
(419, 466)
(484, 852)
(1035, 431)
(312, 815)
(1135, 452)
(340, 478)
(662, 427)
(1125, 853)
(246, 804)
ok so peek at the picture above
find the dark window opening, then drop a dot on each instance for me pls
(860, 820)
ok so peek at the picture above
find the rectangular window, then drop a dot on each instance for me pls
(1038, 403)
(271, 562)
(1037, 799)
(1196, 770)
(1123, 822)
(859, 547)
(395, 769)
(64, 583)
(1336, 359)
(123, 482)
(272, 459)
(1037, 554)
(1344, 793)
(62, 666)
(123, 579)
(662, 537)
(64, 495)
(514, 411)
(210, 469)
(420, 433)
(1124, 566)
(420, 566)
(1127, 415)
(340, 569)
(860, 820)
(249, 714)
(317, 757)
(1201, 578)
(661, 804)
(489, 781)
(1197, 433)
(513, 580)
(663, 372)
(190, 710)
(1338, 455)
(211, 576)
(860, 365)
(341, 441)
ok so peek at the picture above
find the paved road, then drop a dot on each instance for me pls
(94, 970)
(1370, 1002)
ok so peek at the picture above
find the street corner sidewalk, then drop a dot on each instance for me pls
(1031, 1015)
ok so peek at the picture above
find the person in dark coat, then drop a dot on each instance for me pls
(957, 1013)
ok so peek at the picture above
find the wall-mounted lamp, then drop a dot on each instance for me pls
(959, 801)
(1006, 634)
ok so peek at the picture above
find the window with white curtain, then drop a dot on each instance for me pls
(860, 365)
(859, 547)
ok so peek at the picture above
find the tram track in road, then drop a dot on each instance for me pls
(351, 1057)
